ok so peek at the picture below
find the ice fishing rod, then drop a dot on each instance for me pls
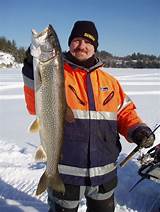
(134, 151)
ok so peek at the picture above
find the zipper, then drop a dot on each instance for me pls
(74, 91)
(108, 98)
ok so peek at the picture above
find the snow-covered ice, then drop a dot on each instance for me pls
(19, 173)
(7, 59)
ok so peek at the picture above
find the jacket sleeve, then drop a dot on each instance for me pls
(28, 78)
(128, 119)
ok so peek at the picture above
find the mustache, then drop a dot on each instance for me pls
(79, 50)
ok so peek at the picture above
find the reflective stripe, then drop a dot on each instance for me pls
(28, 82)
(83, 114)
(70, 170)
(89, 191)
(126, 102)
(66, 203)
(98, 171)
(94, 194)
(84, 172)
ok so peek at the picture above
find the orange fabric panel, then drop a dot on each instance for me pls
(105, 91)
(75, 88)
(30, 100)
(108, 96)
(127, 119)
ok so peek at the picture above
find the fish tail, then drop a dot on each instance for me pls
(40, 154)
(42, 185)
(55, 182)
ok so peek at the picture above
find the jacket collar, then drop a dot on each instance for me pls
(98, 63)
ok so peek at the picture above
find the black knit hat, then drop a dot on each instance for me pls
(85, 29)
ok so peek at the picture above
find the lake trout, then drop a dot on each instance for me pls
(50, 103)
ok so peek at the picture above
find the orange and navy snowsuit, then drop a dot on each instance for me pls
(101, 111)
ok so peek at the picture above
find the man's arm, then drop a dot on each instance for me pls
(28, 78)
(131, 126)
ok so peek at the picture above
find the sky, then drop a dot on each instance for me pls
(124, 26)
(19, 173)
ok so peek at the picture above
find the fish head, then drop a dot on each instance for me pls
(45, 45)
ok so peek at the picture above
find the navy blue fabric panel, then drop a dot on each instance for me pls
(77, 131)
(76, 140)
(104, 142)
(92, 143)
(104, 178)
(94, 181)
(90, 93)
(75, 154)
(82, 181)
(27, 69)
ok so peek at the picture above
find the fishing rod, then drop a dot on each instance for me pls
(135, 150)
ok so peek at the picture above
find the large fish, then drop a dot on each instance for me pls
(50, 103)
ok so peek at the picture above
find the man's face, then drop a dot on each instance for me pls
(81, 49)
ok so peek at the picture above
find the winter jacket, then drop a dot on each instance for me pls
(101, 111)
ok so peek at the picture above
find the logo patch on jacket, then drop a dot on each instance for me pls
(104, 89)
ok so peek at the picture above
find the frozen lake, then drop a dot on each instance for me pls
(19, 173)
(142, 85)
(14, 116)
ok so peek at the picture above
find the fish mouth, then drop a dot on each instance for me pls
(47, 31)
(39, 34)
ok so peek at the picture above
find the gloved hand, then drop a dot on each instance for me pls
(143, 136)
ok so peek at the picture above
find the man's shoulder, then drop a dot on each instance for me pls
(27, 68)
(105, 73)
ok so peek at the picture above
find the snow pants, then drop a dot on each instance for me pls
(97, 199)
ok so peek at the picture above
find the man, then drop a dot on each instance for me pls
(91, 143)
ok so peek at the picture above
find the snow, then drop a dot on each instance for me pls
(7, 59)
(19, 173)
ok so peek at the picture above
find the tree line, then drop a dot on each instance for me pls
(135, 60)
(10, 47)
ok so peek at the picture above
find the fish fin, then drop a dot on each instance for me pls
(35, 125)
(42, 185)
(69, 116)
(40, 154)
(56, 183)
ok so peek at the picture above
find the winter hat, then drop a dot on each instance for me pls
(85, 29)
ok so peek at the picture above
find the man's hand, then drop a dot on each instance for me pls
(143, 136)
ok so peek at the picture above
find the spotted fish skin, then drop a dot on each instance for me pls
(50, 103)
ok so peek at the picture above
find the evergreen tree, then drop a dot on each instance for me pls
(10, 47)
